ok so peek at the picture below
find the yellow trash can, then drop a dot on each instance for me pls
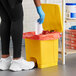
(42, 49)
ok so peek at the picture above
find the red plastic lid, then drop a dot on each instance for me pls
(50, 36)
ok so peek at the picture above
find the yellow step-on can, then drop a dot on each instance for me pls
(44, 53)
(43, 49)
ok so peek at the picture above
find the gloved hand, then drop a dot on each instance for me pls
(41, 14)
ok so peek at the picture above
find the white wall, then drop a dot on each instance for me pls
(30, 14)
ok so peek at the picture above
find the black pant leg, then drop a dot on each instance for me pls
(5, 37)
(17, 32)
(5, 31)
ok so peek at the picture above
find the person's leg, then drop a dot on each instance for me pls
(5, 38)
(16, 32)
(5, 32)
(18, 63)
(5, 60)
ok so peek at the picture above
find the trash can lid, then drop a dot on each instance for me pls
(53, 19)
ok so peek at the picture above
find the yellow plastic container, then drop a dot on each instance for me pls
(44, 53)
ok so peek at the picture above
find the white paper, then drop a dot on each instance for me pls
(38, 28)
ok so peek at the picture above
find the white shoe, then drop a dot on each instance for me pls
(5, 63)
(21, 64)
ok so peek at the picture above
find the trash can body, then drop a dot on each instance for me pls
(42, 52)
(42, 49)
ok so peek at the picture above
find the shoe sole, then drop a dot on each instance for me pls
(3, 69)
(20, 70)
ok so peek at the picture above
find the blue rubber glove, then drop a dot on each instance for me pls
(41, 14)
